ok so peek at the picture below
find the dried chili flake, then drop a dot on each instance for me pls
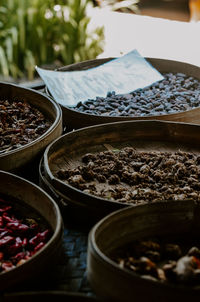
(5, 241)
(7, 265)
(38, 247)
(40, 237)
(18, 257)
(7, 218)
(17, 227)
(5, 208)
(1, 256)
(17, 243)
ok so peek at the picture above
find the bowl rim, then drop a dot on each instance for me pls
(95, 251)
(58, 118)
(121, 118)
(54, 179)
(57, 232)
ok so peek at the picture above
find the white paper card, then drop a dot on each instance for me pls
(122, 75)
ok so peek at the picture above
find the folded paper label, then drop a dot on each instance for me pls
(122, 75)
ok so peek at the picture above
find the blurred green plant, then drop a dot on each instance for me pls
(125, 6)
(42, 32)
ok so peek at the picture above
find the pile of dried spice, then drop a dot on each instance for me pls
(136, 177)
(162, 260)
(20, 237)
(20, 124)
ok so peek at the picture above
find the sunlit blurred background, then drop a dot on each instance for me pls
(53, 33)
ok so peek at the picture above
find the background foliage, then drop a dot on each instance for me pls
(125, 6)
(38, 32)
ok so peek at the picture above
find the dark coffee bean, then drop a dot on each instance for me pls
(161, 85)
(88, 102)
(165, 82)
(179, 74)
(171, 111)
(121, 108)
(149, 106)
(108, 107)
(85, 106)
(115, 105)
(106, 113)
(112, 113)
(124, 113)
(143, 102)
(81, 108)
(143, 110)
(128, 108)
(89, 111)
(109, 94)
(135, 107)
(126, 103)
(192, 100)
(99, 99)
(127, 96)
(79, 104)
(156, 104)
(159, 108)
(131, 112)
(101, 109)
(188, 85)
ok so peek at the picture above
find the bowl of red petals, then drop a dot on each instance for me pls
(30, 230)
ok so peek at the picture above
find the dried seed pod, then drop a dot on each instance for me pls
(88, 157)
(194, 251)
(76, 180)
(144, 176)
(169, 270)
(113, 179)
(161, 274)
(184, 269)
(172, 251)
(153, 255)
(146, 266)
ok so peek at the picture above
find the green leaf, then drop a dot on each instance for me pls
(21, 25)
(15, 71)
(3, 10)
(30, 64)
(30, 29)
(14, 34)
(9, 49)
(3, 62)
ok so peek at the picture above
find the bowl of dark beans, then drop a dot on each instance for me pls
(175, 98)
(147, 252)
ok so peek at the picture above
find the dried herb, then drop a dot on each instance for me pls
(20, 124)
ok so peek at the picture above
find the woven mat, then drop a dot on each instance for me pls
(70, 272)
